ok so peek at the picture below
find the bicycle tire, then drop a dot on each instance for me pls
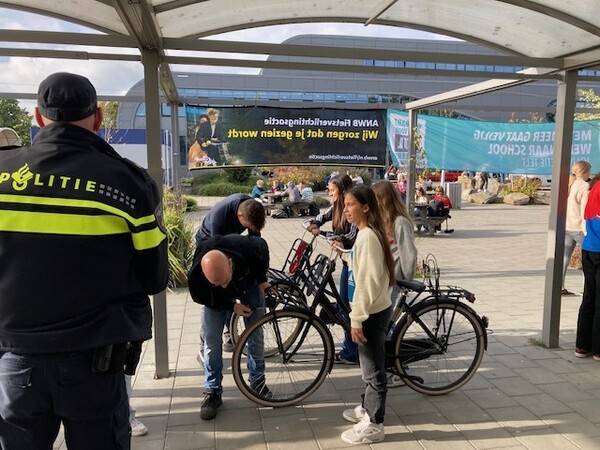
(287, 291)
(295, 372)
(449, 367)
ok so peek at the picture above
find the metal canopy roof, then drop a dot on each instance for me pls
(548, 28)
(550, 34)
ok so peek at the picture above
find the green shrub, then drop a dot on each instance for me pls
(180, 237)
(523, 185)
(239, 175)
(207, 176)
(190, 204)
(220, 189)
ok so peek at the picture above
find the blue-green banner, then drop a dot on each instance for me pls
(458, 144)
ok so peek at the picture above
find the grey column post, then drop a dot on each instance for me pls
(153, 135)
(175, 149)
(412, 163)
(555, 249)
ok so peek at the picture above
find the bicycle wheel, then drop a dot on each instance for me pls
(447, 357)
(303, 360)
(287, 294)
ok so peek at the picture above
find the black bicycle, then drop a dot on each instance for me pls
(435, 341)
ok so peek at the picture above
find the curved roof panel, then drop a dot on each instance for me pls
(534, 28)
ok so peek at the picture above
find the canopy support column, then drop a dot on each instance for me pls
(150, 61)
(411, 163)
(563, 138)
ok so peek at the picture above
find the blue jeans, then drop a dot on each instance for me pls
(38, 392)
(214, 321)
(349, 349)
(372, 364)
(572, 238)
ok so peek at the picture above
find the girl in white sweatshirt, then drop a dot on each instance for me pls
(371, 277)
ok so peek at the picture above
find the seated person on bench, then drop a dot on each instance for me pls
(293, 195)
(439, 206)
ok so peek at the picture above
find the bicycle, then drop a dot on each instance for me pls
(435, 341)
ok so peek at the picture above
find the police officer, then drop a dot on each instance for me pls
(81, 247)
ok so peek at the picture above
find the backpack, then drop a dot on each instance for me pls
(279, 214)
(435, 209)
(313, 209)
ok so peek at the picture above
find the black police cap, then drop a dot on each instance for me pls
(66, 97)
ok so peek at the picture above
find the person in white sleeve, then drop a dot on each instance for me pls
(371, 268)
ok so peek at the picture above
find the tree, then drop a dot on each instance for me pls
(591, 100)
(17, 118)
(109, 122)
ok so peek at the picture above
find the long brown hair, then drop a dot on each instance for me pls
(365, 196)
(338, 219)
(390, 204)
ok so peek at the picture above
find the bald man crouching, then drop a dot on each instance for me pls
(225, 269)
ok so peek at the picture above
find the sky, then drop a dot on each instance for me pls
(23, 75)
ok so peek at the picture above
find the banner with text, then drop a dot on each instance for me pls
(458, 144)
(266, 136)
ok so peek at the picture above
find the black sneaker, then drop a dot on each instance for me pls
(261, 389)
(210, 404)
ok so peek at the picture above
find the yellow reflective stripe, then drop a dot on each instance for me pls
(143, 240)
(55, 223)
(72, 203)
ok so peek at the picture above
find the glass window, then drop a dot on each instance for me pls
(141, 110)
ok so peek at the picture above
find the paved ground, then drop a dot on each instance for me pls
(523, 397)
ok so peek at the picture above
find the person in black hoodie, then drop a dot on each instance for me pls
(224, 271)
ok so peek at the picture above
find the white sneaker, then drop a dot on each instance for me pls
(137, 427)
(394, 380)
(354, 415)
(364, 432)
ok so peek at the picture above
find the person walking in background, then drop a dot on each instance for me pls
(401, 187)
(399, 229)
(575, 223)
(76, 279)
(137, 427)
(588, 319)
(371, 277)
(345, 233)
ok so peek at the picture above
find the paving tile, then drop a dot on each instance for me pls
(515, 386)
(487, 435)
(542, 404)
(490, 398)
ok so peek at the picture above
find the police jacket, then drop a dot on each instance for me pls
(80, 245)
(250, 261)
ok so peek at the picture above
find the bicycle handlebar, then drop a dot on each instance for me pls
(306, 225)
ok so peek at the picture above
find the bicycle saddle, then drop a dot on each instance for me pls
(413, 285)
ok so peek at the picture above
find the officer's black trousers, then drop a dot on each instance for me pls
(38, 392)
